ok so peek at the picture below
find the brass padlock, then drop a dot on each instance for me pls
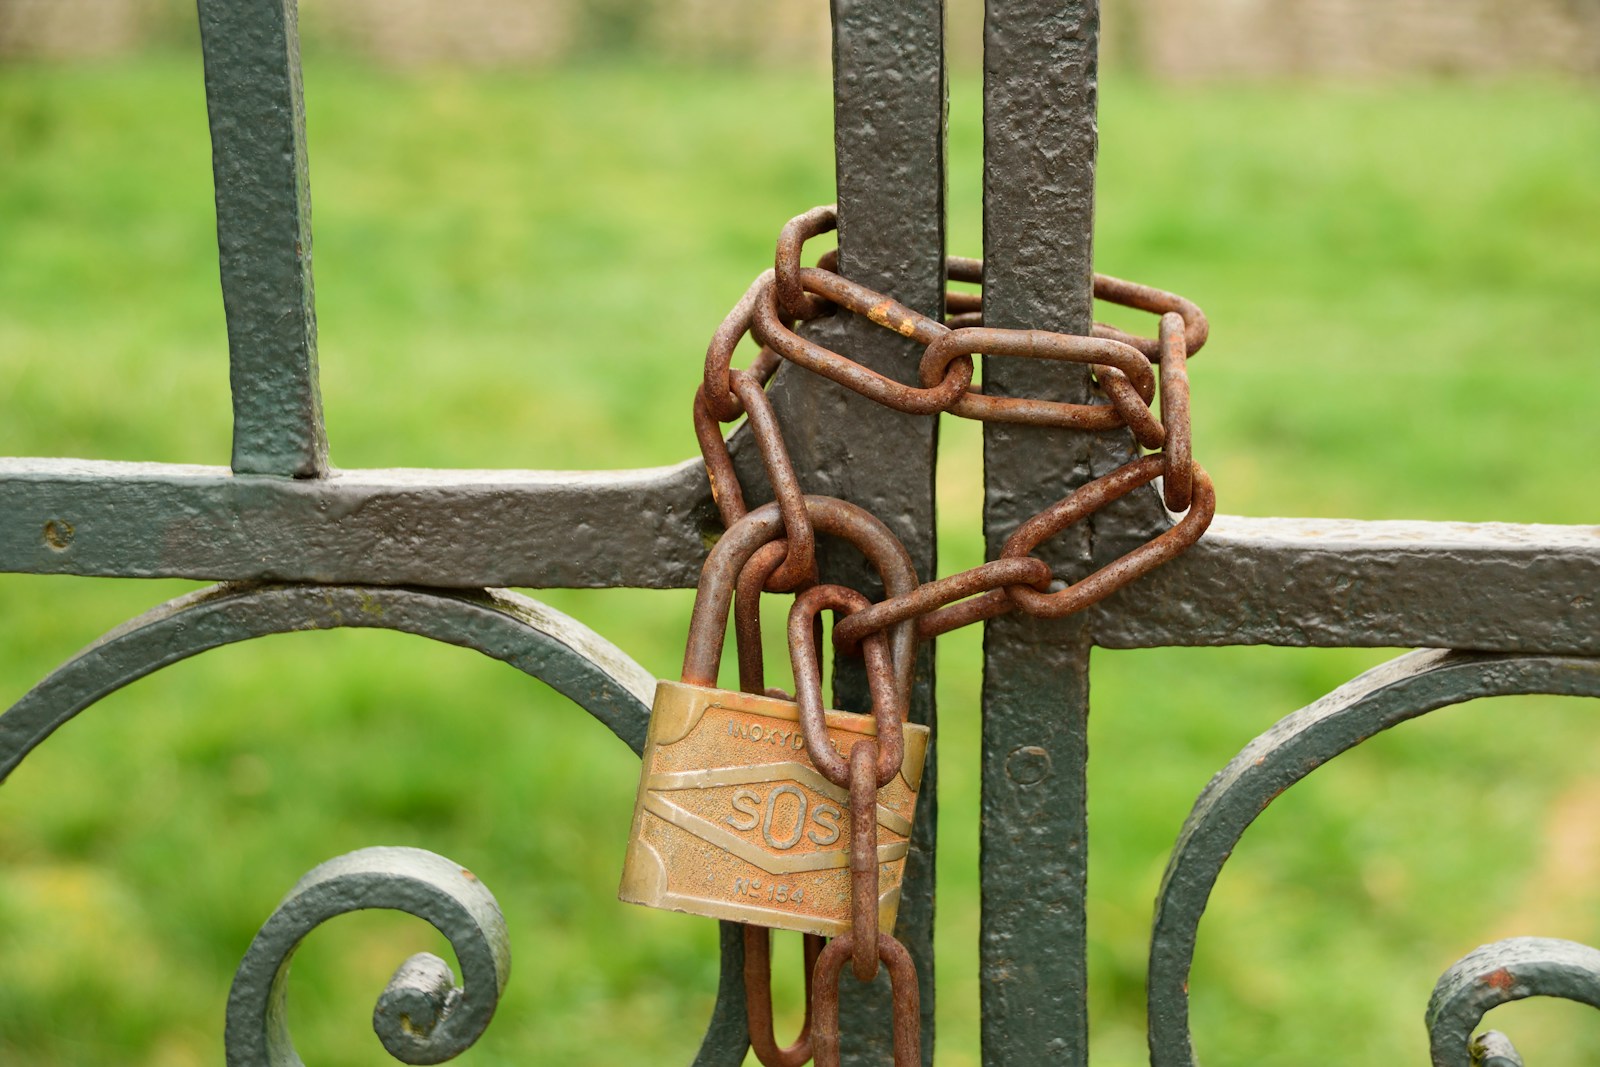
(732, 820)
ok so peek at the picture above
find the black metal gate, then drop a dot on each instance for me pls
(298, 546)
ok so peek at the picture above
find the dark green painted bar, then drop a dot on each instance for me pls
(258, 145)
(1040, 70)
(1295, 582)
(889, 140)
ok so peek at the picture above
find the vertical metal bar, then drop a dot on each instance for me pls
(889, 132)
(258, 149)
(1040, 72)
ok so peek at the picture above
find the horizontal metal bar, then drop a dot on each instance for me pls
(457, 528)
(1343, 582)
(1491, 586)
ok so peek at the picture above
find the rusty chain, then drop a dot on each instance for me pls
(1121, 364)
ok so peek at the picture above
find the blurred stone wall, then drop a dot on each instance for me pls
(477, 32)
(1176, 39)
(1189, 39)
(65, 29)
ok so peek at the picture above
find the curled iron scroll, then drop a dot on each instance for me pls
(1404, 688)
(1497, 974)
(421, 1016)
(535, 639)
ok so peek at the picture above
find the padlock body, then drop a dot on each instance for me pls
(734, 822)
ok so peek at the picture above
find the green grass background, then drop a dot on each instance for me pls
(521, 270)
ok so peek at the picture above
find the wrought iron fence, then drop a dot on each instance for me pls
(1510, 609)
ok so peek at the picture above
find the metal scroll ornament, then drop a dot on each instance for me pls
(422, 1016)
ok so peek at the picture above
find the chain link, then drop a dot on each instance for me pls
(890, 704)
(907, 1000)
(1121, 365)
(758, 998)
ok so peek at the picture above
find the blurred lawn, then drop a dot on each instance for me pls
(521, 270)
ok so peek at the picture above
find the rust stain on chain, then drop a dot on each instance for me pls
(884, 315)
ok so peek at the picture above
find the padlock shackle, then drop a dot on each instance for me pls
(829, 515)
(747, 614)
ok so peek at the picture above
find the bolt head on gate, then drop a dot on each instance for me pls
(733, 821)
